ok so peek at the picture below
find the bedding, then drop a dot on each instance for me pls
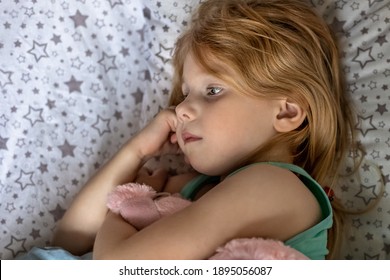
(78, 78)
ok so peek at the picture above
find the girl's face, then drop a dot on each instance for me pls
(218, 127)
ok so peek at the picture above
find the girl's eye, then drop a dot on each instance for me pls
(211, 91)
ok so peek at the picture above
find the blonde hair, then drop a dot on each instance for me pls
(277, 49)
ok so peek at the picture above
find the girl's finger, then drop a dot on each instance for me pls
(173, 138)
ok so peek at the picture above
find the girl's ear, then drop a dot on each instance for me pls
(290, 116)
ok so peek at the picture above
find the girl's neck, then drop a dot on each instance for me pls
(278, 153)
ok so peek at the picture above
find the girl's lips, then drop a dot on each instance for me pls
(188, 137)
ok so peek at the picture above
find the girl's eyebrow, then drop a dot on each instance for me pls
(208, 79)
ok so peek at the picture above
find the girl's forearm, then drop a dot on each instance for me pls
(77, 230)
(80, 224)
(114, 231)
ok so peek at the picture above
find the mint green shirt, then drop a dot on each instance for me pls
(311, 242)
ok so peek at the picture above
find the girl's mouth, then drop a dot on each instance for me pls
(188, 137)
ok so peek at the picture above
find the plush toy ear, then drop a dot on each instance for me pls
(290, 116)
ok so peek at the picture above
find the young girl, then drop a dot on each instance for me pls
(258, 99)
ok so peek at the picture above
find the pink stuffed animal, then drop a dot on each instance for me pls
(140, 205)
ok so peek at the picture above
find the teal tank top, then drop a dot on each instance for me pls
(311, 242)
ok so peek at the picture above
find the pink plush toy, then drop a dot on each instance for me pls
(140, 205)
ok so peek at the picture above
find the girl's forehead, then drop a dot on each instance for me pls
(194, 72)
(207, 63)
(192, 66)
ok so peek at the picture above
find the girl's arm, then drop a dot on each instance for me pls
(260, 201)
(77, 230)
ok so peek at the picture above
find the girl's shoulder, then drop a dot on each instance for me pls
(268, 180)
(275, 202)
(273, 177)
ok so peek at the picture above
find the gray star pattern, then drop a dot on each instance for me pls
(73, 85)
(67, 149)
(79, 19)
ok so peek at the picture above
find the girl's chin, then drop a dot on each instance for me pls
(196, 167)
(202, 166)
(186, 160)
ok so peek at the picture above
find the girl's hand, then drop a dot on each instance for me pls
(158, 137)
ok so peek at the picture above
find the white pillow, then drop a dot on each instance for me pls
(363, 31)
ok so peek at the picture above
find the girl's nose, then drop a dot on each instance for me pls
(185, 111)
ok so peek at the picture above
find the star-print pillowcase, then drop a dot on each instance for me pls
(363, 30)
